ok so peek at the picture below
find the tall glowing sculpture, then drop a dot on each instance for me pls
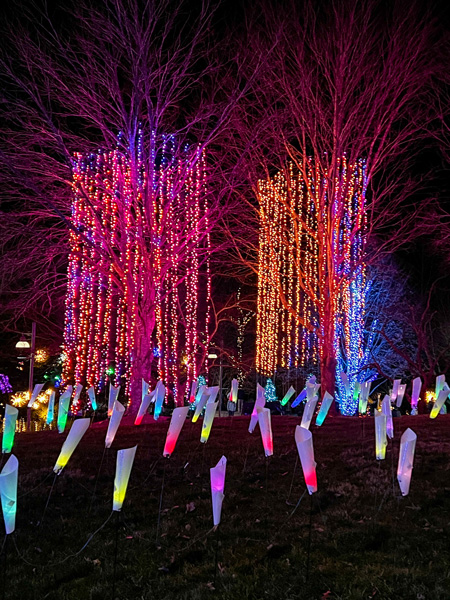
(312, 291)
(138, 293)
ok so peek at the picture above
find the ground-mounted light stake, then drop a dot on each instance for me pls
(287, 396)
(143, 408)
(406, 460)
(380, 435)
(124, 464)
(176, 423)
(200, 406)
(265, 427)
(260, 403)
(213, 391)
(234, 390)
(440, 382)
(395, 387)
(77, 394)
(63, 409)
(356, 393)
(201, 390)
(387, 411)
(324, 408)
(439, 402)
(304, 442)
(363, 397)
(9, 428)
(210, 413)
(299, 399)
(193, 392)
(416, 387)
(160, 393)
(78, 429)
(114, 422)
(217, 477)
(308, 413)
(92, 398)
(145, 388)
(311, 390)
(113, 395)
(400, 394)
(36, 391)
(8, 493)
(51, 408)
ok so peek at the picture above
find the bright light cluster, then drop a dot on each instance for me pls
(20, 399)
(298, 210)
(138, 251)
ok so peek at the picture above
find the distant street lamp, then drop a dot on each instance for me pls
(22, 344)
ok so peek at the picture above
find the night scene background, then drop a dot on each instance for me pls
(224, 317)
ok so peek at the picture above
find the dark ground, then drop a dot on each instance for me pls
(363, 539)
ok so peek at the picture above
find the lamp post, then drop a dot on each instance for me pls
(21, 344)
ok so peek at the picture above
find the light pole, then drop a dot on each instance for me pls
(23, 343)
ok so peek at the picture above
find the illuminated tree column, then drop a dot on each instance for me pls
(311, 251)
(138, 277)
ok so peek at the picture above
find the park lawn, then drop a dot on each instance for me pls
(356, 538)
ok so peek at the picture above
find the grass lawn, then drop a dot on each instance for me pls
(363, 539)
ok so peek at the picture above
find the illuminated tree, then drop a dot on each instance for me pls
(347, 88)
(134, 213)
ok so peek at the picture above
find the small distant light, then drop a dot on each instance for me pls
(212, 355)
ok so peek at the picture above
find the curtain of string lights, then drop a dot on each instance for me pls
(139, 284)
(311, 243)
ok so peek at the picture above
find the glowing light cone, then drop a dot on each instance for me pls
(51, 408)
(440, 381)
(439, 402)
(400, 394)
(304, 441)
(36, 391)
(265, 427)
(324, 408)
(260, 403)
(113, 395)
(77, 395)
(63, 409)
(417, 386)
(145, 389)
(345, 383)
(217, 477)
(200, 406)
(210, 413)
(311, 390)
(380, 435)
(193, 392)
(308, 413)
(299, 398)
(92, 398)
(406, 460)
(234, 390)
(356, 392)
(114, 422)
(160, 393)
(143, 408)
(288, 396)
(395, 387)
(8, 492)
(201, 390)
(78, 429)
(9, 428)
(387, 411)
(363, 397)
(176, 423)
(124, 464)
(212, 394)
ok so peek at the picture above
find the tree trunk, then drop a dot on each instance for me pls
(142, 355)
(328, 359)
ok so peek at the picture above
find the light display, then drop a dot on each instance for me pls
(287, 396)
(5, 386)
(50, 408)
(380, 435)
(312, 281)
(20, 399)
(9, 428)
(265, 426)
(124, 464)
(8, 492)
(210, 413)
(415, 396)
(78, 429)
(324, 408)
(405, 460)
(303, 439)
(63, 409)
(139, 274)
(217, 477)
(114, 422)
(176, 423)
(259, 403)
(308, 412)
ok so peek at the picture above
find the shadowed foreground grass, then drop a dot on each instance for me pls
(364, 539)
